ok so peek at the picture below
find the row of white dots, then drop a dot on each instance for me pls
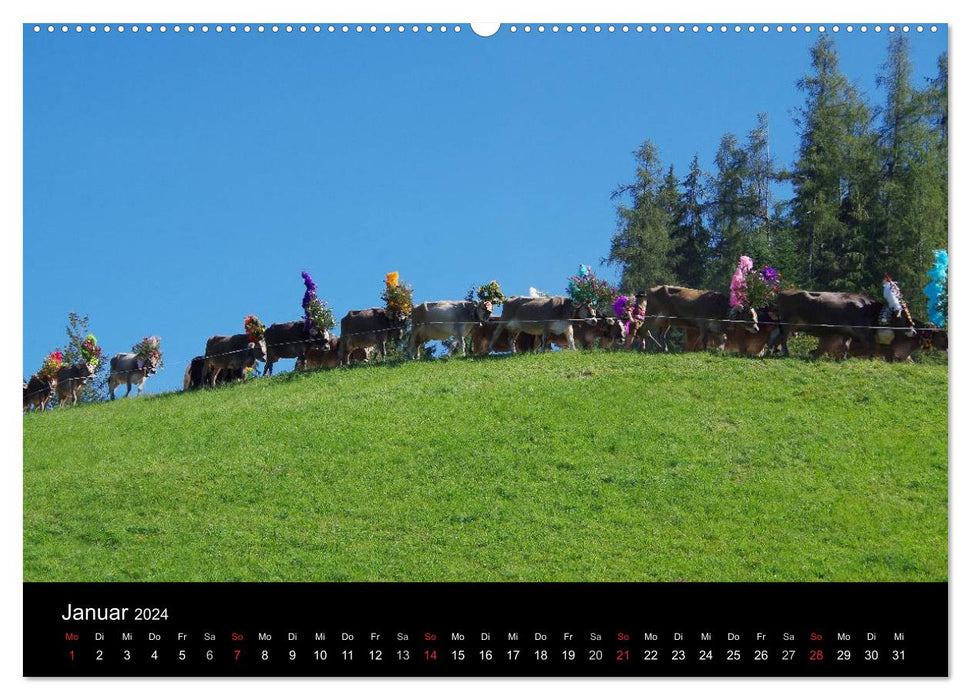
(346, 29)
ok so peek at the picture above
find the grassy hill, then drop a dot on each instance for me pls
(563, 466)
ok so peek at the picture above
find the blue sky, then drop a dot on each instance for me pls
(174, 183)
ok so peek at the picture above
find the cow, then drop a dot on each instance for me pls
(707, 312)
(128, 368)
(39, 392)
(481, 336)
(194, 379)
(692, 340)
(741, 341)
(851, 316)
(328, 359)
(368, 328)
(900, 349)
(608, 331)
(285, 340)
(70, 380)
(441, 320)
(543, 317)
(235, 353)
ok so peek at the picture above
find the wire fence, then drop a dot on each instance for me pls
(498, 323)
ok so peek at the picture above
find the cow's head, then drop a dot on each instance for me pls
(584, 311)
(483, 311)
(322, 340)
(258, 349)
(396, 332)
(747, 317)
(89, 370)
(933, 337)
(150, 364)
(397, 316)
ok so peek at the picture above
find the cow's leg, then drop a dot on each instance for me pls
(111, 386)
(704, 339)
(784, 339)
(495, 336)
(664, 337)
(384, 350)
(570, 341)
(141, 383)
(869, 342)
(128, 379)
(268, 368)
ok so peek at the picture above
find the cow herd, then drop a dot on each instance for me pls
(846, 324)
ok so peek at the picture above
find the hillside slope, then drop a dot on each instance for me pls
(563, 466)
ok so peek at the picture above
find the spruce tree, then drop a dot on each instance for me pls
(832, 176)
(913, 205)
(641, 243)
(691, 239)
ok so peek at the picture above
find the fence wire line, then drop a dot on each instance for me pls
(499, 323)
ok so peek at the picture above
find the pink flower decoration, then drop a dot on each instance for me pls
(737, 297)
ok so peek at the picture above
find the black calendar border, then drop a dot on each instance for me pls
(917, 610)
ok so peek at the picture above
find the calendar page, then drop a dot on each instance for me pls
(522, 349)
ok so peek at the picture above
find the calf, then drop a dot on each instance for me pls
(743, 342)
(329, 359)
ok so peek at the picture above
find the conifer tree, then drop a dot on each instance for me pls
(641, 244)
(691, 239)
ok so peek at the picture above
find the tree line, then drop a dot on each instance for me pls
(869, 192)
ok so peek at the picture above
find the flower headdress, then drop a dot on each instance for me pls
(148, 349)
(491, 293)
(936, 291)
(586, 288)
(317, 316)
(90, 352)
(753, 288)
(254, 329)
(397, 296)
(52, 363)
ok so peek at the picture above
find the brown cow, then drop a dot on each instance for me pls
(231, 353)
(707, 312)
(70, 380)
(851, 316)
(900, 349)
(369, 328)
(441, 320)
(741, 341)
(291, 339)
(543, 317)
(482, 334)
(315, 358)
(38, 392)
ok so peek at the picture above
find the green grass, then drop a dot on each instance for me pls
(556, 467)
